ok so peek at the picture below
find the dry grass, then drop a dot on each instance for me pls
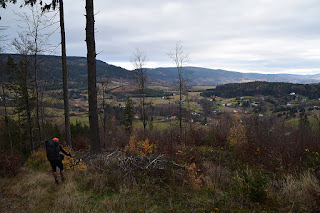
(36, 192)
(301, 190)
(89, 191)
(27, 191)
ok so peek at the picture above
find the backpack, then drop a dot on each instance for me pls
(52, 148)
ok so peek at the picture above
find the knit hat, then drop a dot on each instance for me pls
(55, 139)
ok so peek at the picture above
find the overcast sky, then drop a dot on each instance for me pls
(266, 36)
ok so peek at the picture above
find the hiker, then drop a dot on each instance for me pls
(55, 157)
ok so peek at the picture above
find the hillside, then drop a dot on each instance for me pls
(279, 89)
(204, 76)
(50, 70)
(77, 71)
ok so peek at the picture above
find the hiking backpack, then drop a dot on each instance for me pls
(52, 148)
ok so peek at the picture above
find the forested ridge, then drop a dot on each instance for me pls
(277, 89)
(50, 70)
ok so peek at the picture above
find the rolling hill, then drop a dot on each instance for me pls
(50, 70)
(204, 76)
(77, 73)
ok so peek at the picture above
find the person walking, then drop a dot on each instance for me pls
(55, 157)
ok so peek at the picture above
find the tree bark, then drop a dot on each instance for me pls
(42, 116)
(65, 76)
(23, 144)
(179, 58)
(138, 61)
(7, 119)
(36, 82)
(92, 87)
(28, 108)
(180, 98)
(104, 87)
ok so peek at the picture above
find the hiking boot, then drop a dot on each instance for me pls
(62, 178)
(56, 181)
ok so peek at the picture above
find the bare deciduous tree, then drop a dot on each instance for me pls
(37, 25)
(138, 60)
(104, 86)
(25, 48)
(180, 59)
(3, 86)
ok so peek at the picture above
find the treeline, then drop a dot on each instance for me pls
(276, 89)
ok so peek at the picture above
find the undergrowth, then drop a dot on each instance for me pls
(238, 166)
(114, 183)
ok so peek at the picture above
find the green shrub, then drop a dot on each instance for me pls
(255, 184)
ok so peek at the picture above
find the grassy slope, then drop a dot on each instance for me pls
(36, 192)
(222, 189)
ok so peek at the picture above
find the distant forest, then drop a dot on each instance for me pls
(276, 89)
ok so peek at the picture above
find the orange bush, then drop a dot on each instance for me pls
(72, 162)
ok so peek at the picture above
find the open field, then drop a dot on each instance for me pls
(202, 87)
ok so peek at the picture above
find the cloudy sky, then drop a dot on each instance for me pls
(266, 36)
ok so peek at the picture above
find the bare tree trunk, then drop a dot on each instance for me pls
(92, 87)
(65, 76)
(180, 59)
(104, 114)
(104, 118)
(42, 115)
(20, 133)
(36, 83)
(180, 99)
(104, 87)
(7, 119)
(138, 61)
(29, 123)
(144, 114)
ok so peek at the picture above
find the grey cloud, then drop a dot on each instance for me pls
(245, 35)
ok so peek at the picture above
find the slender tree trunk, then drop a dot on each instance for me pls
(29, 123)
(7, 119)
(42, 115)
(104, 87)
(138, 61)
(179, 59)
(104, 110)
(65, 76)
(180, 100)
(23, 146)
(36, 84)
(144, 112)
(92, 87)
